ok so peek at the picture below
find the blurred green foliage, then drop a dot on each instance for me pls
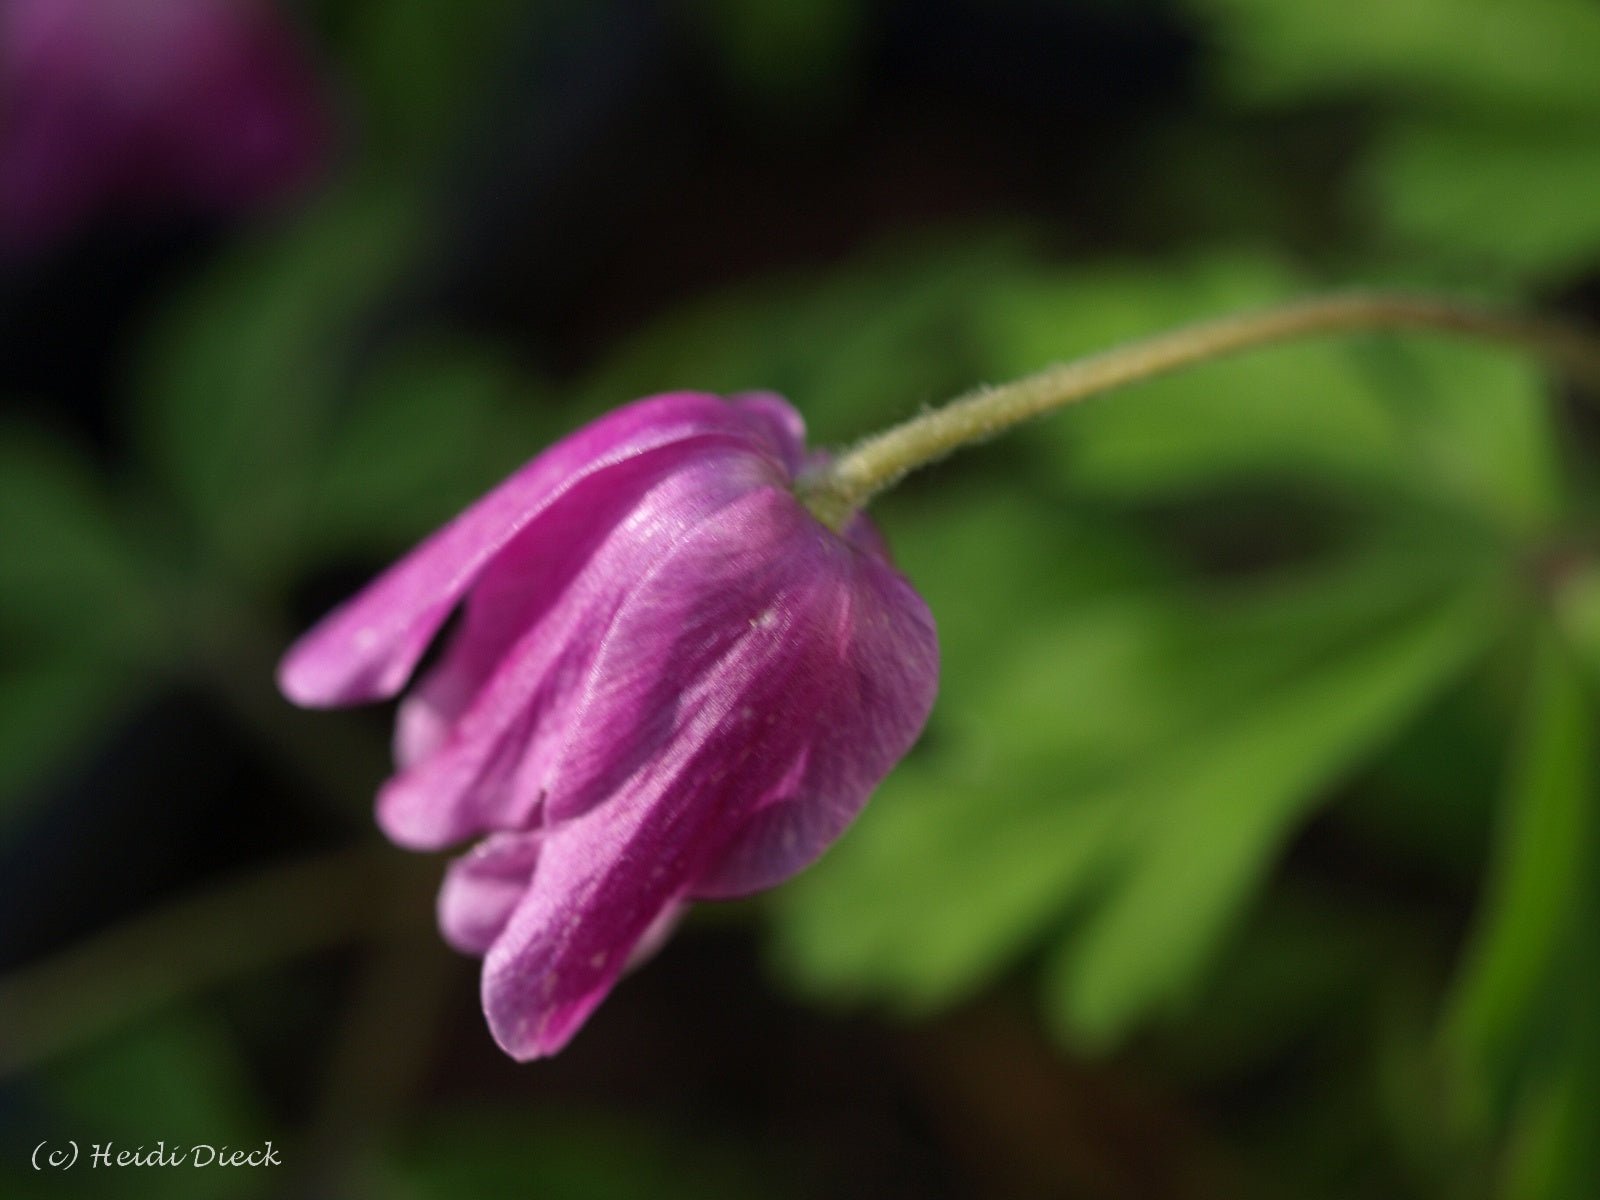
(416, 69)
(786, 54)
(1135, 730)
(494, 1153)
(65, 548)
(1483, 113)
(178, 1081)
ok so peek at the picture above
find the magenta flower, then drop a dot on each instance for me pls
(671, 682)
(205, 105)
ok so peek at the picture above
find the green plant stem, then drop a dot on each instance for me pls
(850, 482)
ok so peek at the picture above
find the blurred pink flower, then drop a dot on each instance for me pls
(198, 105)
(671, 682)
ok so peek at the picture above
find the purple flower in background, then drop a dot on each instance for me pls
(201, 105)
(670, 682)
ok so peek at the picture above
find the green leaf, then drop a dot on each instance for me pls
(1518, 200)
(786, 52)
(1444, 422)
(1554, 1152)
(420, 66)
(1444, 1155)
(76, 601)
(1537, 889)
(1295, 969)
(1535, 55)
(178, 1080)
(854, 348)
(1477, 422)
(1430, 798)
(239, 380)
(1482, 149)
(1071, 736)
(70, 573)
(1035, 556)
(1578, 612)
(1282, 412)
(431, 428)
(178, 1077)
(1217, 808)
(930, 894)
(48, 709)
(967, 848)
(517, 1153)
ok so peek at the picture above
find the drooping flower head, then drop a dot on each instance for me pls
(670, 682)
(202, 105)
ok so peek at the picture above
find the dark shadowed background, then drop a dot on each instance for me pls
(1252, 849)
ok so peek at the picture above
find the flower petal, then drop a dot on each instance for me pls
(859, 701)
(368, 647)
(517, 591)
(483, 886)
(846, 673)
(706, 709)
(491, 770)
(592, 901)
(783, 426)
(605, 882)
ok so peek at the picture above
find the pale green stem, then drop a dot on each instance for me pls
(845, 487)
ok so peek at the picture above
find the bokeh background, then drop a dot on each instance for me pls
(1252, 848)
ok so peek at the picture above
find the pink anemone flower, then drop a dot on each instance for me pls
(670, 682)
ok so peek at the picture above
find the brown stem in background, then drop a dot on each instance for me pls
(252, 921)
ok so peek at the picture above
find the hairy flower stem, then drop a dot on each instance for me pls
(872, 466)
